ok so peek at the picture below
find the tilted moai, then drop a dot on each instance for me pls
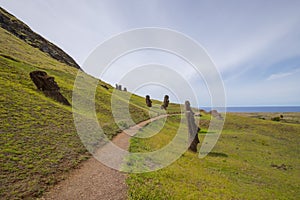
(165, 103)
(48, 85)
(192, 127)
(148, 101)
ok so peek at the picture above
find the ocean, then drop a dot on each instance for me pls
(250, 109)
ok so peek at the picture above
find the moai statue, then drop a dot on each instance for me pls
(48, 85)
(148, 101)
(120, 87)
(165, 103)
(192, 127)
(117, 86)
(125, 89)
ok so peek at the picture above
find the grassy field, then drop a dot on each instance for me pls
(253, 159)
(38, 140)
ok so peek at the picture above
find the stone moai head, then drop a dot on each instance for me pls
(148, 101)
(187, 106)
(166, 102)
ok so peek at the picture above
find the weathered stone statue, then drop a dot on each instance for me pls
(125, 89)
(49, 87)
(165, 103)
(120, 87)
(215, 114)
(117, 87)
(192, 127)
(148, 101)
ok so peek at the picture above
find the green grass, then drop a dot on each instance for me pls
(39, 144)
(38, 140)
(286, 117)
(241, 165)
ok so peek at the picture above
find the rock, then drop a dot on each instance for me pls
(48, 85)
(104, 86)
(282, 166)
(148, 101)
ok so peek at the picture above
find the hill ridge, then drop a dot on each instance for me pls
(24, 32)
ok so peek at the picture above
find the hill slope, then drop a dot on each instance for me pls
(38, 140)
(253, 159)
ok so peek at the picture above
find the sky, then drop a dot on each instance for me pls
(255, 45)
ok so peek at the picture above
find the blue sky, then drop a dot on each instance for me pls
(255, 45)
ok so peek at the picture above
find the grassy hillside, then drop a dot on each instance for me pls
(253, 159)
(38, 140)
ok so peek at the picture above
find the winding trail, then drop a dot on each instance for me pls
(93, 180)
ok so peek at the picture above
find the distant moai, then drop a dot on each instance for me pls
(215, 114)
(165, 103)
(148, 101)
(119, 87)
(192, 127)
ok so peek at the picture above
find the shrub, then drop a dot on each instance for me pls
(277, 119)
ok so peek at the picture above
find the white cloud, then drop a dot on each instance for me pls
(259, 43)
(282, 75)
(278, 75)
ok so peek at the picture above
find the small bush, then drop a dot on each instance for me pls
(277, 119)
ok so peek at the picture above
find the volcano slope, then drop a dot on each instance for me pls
(39, 144)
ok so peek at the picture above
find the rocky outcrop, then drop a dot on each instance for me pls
(105, 86)
(22, 31)
(48, 85)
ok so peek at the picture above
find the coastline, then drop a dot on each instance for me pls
(255, 109)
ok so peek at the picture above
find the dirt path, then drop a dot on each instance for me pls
(93, 180)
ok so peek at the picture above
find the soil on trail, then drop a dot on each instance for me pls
(93, 180)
